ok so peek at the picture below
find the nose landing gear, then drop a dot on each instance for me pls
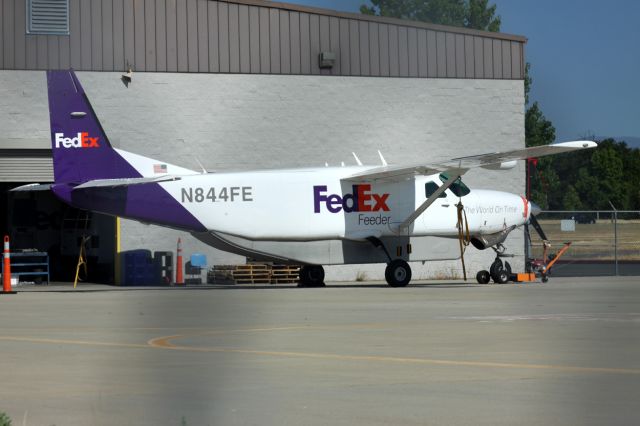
(499, 271)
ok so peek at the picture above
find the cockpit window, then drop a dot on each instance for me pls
(431, 187)
(458, 188)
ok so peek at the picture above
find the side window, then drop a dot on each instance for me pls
(430, 188)
(458, 188)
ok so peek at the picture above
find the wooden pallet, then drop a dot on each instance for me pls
(285, 274)
(253, 273)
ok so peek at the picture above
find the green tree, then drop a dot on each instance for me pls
(588, 188)
(481, 16)
(476, 14)
(544, 181)
(537, 129)
(608, 173)
(607, 167)
(571, 199)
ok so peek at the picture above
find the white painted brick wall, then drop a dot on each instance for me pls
(232, 122)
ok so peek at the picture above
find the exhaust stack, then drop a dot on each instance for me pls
(483, 242)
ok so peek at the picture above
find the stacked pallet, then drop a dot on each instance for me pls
(221, 274)
(285, 274)
(253, 273)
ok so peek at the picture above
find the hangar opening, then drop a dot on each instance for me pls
(37, 222)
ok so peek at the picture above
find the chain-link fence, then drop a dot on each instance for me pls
(602, 242)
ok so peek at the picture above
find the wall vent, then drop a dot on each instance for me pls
(48, 17)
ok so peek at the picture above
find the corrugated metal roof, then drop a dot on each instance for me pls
(254, 36)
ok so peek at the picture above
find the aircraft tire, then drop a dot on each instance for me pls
(498, 272)
(311, 276)
(483, 277)
(398, 273)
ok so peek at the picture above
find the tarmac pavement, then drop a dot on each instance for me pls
(565, 352)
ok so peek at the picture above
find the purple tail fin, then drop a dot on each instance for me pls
(81, 149)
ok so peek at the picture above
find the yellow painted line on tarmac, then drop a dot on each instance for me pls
(165, 343)
(72, 342)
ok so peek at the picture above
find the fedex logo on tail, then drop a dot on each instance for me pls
(82, 140)
(361, 200)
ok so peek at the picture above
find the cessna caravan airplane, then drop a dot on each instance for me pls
(311, 216)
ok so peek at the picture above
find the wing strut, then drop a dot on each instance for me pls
(413, 216)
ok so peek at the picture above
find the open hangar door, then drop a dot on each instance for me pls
(38, 221)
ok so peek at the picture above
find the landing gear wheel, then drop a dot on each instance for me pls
(483, 277)
(398, 273)
(498, 272)
(511, 276)
(311, 276)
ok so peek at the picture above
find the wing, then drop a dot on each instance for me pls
(461, 165)
(456, 167)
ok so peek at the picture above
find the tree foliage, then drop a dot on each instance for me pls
(589, 180)
(586, 180)
(476, 14)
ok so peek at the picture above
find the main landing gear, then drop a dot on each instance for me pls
(397, 273)
(499, 271)
(311, 276)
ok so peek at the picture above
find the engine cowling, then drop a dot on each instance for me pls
(482, 242)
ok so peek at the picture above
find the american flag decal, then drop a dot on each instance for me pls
(159, 168)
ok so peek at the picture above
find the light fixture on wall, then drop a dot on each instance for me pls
(126, 77)
(327, 59)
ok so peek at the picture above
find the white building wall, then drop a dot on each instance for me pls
(235, 121)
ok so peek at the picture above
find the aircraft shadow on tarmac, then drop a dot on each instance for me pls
(93, 288)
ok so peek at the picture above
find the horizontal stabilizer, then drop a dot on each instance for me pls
(32, 187)
(109, 183)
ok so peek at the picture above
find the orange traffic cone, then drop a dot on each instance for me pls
(6, 270)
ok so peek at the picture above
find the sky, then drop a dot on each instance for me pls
(585, 60)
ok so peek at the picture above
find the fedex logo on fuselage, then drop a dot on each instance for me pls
(83, 140)
(360, 200)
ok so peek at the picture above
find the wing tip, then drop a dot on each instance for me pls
(581, 144)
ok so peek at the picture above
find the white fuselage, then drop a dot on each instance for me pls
(315, 204)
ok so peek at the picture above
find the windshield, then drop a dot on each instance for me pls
(458, 188)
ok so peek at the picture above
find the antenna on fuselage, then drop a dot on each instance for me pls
(384, 162)
(357, 159)
(204, 171)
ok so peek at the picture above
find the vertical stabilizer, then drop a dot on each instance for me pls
(81, 149)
